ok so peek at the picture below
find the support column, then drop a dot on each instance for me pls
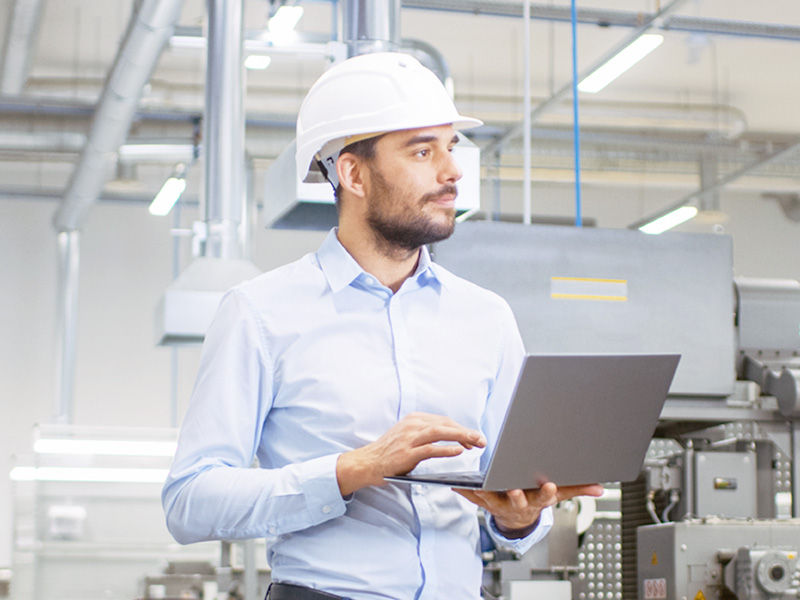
(66, 324)
(224, 130)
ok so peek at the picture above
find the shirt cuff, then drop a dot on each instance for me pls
(522, 545)
(321, 489)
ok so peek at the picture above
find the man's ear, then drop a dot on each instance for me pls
(350, 170)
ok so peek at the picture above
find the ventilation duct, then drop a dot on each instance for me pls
(189, 304)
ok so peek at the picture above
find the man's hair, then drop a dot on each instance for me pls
(363, 149)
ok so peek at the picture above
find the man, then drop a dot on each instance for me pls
(357, 362)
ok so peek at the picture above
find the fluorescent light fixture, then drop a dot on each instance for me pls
(104, 447)
(167, 196)
(176, 152)
(88, 474)
(257, 61)
(285, 20)
(189, 42)
(669, 220)
(620, 62)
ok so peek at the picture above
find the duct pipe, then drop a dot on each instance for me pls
(371, 26)
(21, 36)
(67, 323)
(224, 130)
(430, 57)
(144, 40)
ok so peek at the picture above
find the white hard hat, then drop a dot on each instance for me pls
(369, 93)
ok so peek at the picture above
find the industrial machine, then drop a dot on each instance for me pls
(716, 558)
(722, 477)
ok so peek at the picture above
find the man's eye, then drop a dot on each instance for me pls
(423, 153)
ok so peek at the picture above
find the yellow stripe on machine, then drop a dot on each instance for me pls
(589, 288)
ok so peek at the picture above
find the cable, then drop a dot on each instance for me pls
(576, 135)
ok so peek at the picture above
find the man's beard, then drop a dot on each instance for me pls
(411, 228)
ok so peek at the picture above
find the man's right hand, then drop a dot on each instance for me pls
(410, 441)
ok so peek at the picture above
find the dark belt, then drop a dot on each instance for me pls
(289, 591)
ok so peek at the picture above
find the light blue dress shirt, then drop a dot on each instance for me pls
(317, 358)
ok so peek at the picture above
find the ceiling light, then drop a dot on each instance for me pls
(189, 42)
(169, 193)
(285, 20)
(257, 61)
(669, 220)
(620, 62)
(104, 447)
(88, 474)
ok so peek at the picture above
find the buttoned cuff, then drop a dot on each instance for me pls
(321, 489)
(522, 545)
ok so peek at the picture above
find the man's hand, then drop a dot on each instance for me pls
(410, 441)
(516, 512)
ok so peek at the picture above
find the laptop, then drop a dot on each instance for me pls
(573, 419)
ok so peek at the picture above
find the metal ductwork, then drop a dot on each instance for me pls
(371, 26)
(189, 304)
(144, 40)
(146, 36)
(19, 42)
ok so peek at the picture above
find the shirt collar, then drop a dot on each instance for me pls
(341, 269)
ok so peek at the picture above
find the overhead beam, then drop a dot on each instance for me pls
(21, 34)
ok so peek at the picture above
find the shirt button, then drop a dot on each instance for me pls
(272, 530)
(326, 509)
(417, 488)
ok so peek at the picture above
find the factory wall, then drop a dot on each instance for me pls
(123, 379)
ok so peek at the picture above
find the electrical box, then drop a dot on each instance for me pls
(725, 484)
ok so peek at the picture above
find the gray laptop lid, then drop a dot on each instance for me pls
(579, 419)
(573, 419)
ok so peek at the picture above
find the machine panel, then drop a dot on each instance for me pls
(594, 290)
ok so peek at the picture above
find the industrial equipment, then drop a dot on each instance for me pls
(724, 471)
(719, 558)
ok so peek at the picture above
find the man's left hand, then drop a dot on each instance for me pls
(516, 512)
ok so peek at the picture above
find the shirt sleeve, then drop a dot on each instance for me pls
(211, 491)
(512, 354)
(522, 545)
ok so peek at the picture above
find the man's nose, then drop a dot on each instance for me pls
(449, 171)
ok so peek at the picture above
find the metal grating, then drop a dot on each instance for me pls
(599, 575)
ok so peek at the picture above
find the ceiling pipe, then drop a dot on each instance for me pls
(613, 18)
(21, 34)
(147, 34)
(371, 26)
(189, 303)
(566, 89)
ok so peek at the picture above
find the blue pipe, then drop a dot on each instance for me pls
(576, 133)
